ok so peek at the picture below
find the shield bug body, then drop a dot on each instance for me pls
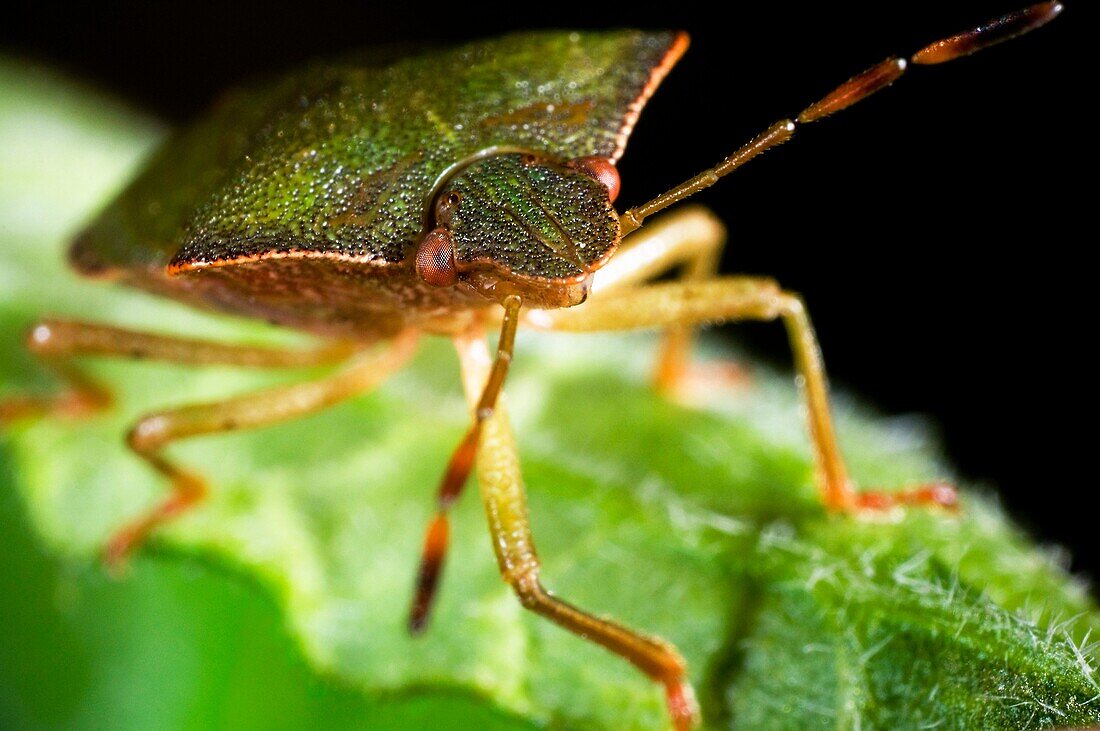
(368, 203)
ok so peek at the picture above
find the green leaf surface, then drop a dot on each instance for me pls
(700, 525)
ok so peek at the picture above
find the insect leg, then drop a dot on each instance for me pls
(57, 341)
(80, 397)
(458, 470)
(747, 298)
(502, 491)
(691, 239)
(154, 432)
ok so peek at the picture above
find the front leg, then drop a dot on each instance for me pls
(458, 469)
(747, 298)
(690, 239)
(502, 492)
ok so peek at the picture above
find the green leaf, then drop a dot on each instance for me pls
(179, 645)
(700, 525)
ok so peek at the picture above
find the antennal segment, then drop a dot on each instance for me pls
(773, 136)
(987, 34)
(854, 90)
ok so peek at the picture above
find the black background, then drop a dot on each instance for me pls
(935, 230)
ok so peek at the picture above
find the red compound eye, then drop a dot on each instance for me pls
(602, 170)
(435, 259)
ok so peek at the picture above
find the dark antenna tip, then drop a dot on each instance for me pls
(989, 33)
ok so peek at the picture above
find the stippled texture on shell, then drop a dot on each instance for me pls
(341, 159)
(533, 219)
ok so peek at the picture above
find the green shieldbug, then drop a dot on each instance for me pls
(371, 202)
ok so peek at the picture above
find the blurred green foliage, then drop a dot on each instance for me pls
(281, 601)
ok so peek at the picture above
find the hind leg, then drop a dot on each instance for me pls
(57, 341)
(152, 433)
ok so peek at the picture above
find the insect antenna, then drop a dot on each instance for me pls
(854, 90)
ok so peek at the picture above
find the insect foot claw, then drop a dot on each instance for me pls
(936, 494)
(116, 554)
(682, 706)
